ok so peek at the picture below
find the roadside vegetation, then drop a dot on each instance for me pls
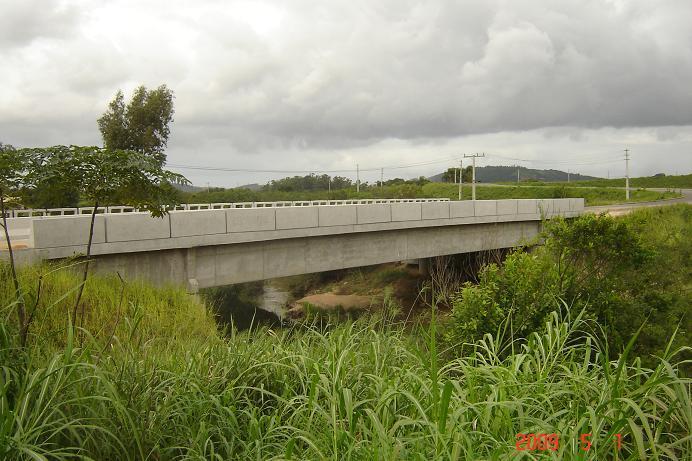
(150, 376)
(623, 273)
(658, 181)
(425, 189)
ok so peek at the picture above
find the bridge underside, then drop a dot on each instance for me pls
(217, 265)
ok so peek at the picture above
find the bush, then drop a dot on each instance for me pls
(524, 290)
(620, 271)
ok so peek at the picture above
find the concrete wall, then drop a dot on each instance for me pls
(131, 232)
(209, 266)
(216, 247)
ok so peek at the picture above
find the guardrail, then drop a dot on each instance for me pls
(120, 209)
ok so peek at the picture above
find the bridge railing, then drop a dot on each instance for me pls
(120, 209)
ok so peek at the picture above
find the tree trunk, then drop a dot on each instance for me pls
(21, 311)
(86, 265)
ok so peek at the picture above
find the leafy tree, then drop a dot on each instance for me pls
(451, 173)
(104, 176)
(143, 125)
(311, 182)
(12, 173)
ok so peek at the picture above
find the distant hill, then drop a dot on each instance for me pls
(509, 174)
(253, 187)
(188, 188)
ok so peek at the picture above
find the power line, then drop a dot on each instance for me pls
(551, 162)
(381, 169)
(353, 170)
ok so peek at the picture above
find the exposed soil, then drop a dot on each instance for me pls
(330, 302)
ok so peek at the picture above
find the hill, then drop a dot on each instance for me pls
(509, 174)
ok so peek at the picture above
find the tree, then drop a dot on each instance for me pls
(452, 173)
(12, 173)
(104, 176)
(143, 125)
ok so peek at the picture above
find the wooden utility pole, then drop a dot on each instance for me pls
(473, 173)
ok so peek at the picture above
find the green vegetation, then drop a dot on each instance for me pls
(141, 126)
(154, 381)
(657, 181)
(622, 272)
(151, 377)
(419, 190)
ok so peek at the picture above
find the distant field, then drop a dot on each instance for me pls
(603, 196)
(594, 196)
(673, 182)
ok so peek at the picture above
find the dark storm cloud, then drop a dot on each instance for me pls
(354, 72)
(307, 74)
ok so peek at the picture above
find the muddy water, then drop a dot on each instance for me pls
(273, 299)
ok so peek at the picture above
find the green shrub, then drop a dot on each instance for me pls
(623, 272)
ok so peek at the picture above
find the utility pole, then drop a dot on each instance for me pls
(568, 175)
(455, 175)
(517, 175)
(357, 178)
(382, 179)
(627, 174)
(461, 176)
(330, 186)
(473, 173)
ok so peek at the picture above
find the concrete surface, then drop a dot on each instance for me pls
(223, 246)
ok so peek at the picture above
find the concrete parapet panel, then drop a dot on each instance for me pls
(562, 205)
(461, 209)
(546, 207)
(21, 223)
(368, 214)
(527, 206)
(406, 212)
(436, 210)
(337, 215)
(129, 227)
(296, 217)
(187, 223)
(66, 231)
(506, 207)
(576, 204)
(485, 207)
(251, 219)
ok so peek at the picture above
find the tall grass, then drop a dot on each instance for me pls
(358, 390)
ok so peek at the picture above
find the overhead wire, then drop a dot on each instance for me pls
(602, 160)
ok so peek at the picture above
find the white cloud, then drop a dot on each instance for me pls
(319, 82)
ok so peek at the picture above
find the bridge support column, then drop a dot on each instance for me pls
(191, 270)
(424, 266)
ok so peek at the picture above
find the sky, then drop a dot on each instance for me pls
(294, 86)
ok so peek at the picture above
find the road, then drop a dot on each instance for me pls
(624, 208)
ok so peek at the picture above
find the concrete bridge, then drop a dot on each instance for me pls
(233, 243)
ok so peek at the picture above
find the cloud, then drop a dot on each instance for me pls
(306, 75)
(25, 21)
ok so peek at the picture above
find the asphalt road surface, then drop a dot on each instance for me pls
(624, 208)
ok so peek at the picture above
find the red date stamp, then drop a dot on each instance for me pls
(537, 442)
(551, 442)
